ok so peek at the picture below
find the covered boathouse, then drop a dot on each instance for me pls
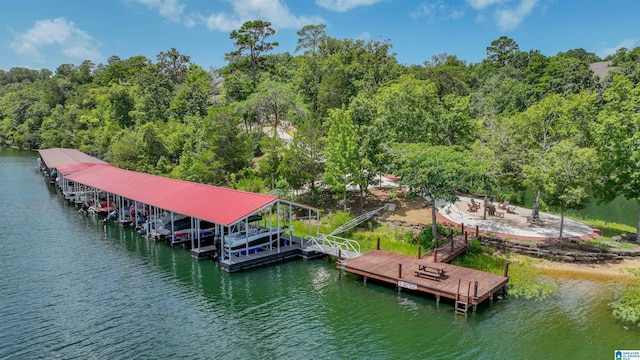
(243, 229)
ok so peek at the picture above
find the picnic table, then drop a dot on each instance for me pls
(430, 271)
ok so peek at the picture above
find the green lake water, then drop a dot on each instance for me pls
(618, 210)
(74, 288)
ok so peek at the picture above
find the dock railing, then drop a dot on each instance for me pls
(333, 245)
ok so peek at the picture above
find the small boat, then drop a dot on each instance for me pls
(183, 232)
(103, 207)
(252, 238)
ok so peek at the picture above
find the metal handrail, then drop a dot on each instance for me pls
(346, 245)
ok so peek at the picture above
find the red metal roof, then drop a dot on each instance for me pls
(71, 168)
(211, 203)
(56, 157)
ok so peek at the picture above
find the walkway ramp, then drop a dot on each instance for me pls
(333, 245)
(332, 251)
(341, 247)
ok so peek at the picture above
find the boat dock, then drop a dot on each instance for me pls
(239, 228)
(467, 287)
(256, 229)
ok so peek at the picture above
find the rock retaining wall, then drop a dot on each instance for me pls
(415, 228)
(571, 252)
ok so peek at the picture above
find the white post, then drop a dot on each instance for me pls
(278, 228)
(290, 226)
(172, 225)
(270, 228)
(246, 235)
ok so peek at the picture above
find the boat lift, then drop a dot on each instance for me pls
(343, 248)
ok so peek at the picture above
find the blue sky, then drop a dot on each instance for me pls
(44, 33)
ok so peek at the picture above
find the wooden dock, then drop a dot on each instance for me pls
(457, 283)
(457, 246)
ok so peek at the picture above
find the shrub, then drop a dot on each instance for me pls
(475, 247)
(426, 237)
(626, 307)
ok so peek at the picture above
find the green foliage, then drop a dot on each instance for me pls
(341, 150)
(334, 220)
(393, 240)
(475, 247)
(426, 240)
(168, 116)
(250, 41)
(282, 188)
(438, 172)
(626, 307)
(502, 50)
(251, 184)
(610, 228)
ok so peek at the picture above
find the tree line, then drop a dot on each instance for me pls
(342, 111)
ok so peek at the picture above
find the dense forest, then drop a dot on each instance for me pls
(340, 111)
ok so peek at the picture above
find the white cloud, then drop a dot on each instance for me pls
(626, 43)
(344, 5)
(73, 42)
(483, 4)
(169, 9)
(509, 19)
(274, 11)
(437, 11)
(364, 36)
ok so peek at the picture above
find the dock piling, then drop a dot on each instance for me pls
(506, 269)
(419, 251)
(399, 271)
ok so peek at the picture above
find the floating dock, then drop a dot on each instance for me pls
(262, 258)
(465, 286)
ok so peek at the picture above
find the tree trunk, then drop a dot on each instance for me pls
(561, 225)
(361, 196)
(535, 214)
(484, 212)
(344, 199)
(638, 226)
(275, 128)
(434, 222)
(313, 189)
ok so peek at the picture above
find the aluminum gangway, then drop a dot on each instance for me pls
(342, 248)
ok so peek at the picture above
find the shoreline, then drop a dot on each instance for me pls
(597, 272)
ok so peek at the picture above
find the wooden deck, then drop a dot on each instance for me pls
(403, 271)
(449, 251)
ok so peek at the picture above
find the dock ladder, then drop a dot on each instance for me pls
(462, 301)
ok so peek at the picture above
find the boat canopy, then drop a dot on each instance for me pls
(57, 157)
(206, 202)
(71, 168)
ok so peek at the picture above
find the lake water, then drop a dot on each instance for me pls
(72, 287)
